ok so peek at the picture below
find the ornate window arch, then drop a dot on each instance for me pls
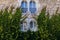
(24, 6)
(32, 7)
(32, 24)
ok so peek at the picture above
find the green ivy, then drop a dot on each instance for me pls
(49, 28)
(9, 24)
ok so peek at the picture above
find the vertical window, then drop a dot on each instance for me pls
(32, 7)
(25, 25)
(21, 26)
(24, 6)
(31, 24)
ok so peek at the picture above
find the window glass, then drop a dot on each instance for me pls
(21, 25)
(25, 25)
(31, 24)
(32, 7)
(24, 7)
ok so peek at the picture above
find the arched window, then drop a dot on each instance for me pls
(24, 6)
(32, 7)
(31, 24)
(21, 26)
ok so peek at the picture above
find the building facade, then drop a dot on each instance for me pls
(31, 9)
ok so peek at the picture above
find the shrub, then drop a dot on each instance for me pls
(49, 28)
(9, 24)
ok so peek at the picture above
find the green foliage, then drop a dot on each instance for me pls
(42, 24)
(9, 24)
(55, 26)
(48, 28)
